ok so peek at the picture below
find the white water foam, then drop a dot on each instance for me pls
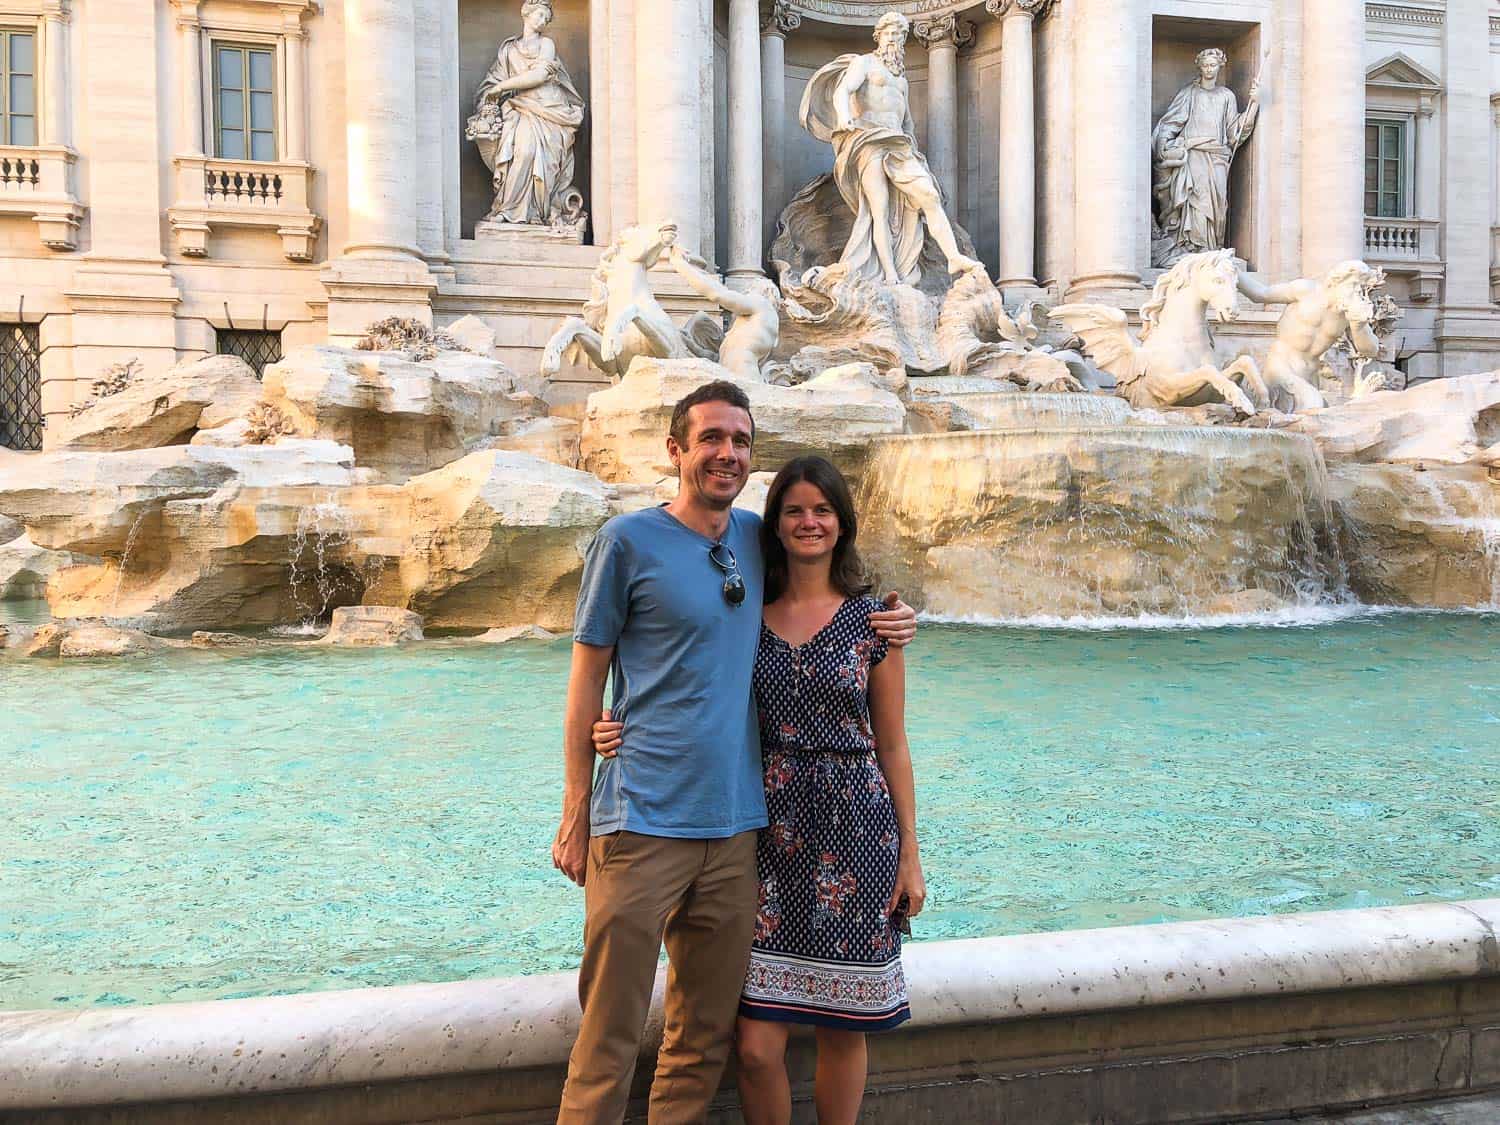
(1292, 617)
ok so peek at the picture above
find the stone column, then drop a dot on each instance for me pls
(57, 118)
(380, 272)
(943, 36)
(1111, 184)
(669, 147)
(1018, 139)
(600, 133)
(380, 65)
(295, 38)
(192, 94)
(776, 22)
(746, 185)
(1333, 129)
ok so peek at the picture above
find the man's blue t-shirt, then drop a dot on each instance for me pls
(689, 763)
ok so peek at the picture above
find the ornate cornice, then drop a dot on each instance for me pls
(1406, 16)
(866, 12)
(937, 30)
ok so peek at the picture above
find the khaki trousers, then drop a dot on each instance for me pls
(700, 895)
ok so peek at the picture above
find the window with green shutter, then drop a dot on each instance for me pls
(244, 102)
(1385, 169)
(18, 88)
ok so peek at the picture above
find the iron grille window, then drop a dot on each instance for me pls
(244, 102)
(1385, 169)
(21, 386)
(256, 347)
(17, 87)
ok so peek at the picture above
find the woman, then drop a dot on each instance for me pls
(840, 872)
(530, 148)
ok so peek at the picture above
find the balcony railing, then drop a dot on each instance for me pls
(243, 193)
(1406, 248)
(1400, 239)
(36, 181)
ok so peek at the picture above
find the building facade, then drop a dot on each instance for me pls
(180, 177)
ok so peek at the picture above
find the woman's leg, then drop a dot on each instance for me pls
(840, 1083)
(760, 1051)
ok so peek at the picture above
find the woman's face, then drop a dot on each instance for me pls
(536, 17)
(807, 526)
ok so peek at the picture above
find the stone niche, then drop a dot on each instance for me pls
(482, 26)
(1175, 43)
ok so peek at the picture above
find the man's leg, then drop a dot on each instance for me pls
(877, 193)
(708, 947)
(632, 886)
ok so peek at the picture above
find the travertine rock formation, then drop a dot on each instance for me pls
(164, 409)
(1418, 538)
(1101, 519)
(372, 626)
(1446, 420)
(551, 439)
(202, 537)
(25, 568)
(400, 417)
(835, 414)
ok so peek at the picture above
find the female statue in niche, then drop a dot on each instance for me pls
(1192, 147)
(526, 118)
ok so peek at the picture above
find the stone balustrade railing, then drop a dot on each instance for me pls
(271, 195)
(1406, 248)
(37, 181)
(1400, 238)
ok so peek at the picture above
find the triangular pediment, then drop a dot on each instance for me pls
(1400, 72)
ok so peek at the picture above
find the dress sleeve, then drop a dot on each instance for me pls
(604, 593)
(880, 647)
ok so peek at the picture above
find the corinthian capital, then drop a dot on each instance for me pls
(943, 29)
(1034, 8)
(779, 16)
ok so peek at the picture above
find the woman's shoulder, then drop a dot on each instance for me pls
(860, 606)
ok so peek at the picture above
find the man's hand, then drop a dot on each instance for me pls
(570, 847)
(897, 624)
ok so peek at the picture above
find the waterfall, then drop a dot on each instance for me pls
(323, 530)
(1095, 520)
(1010, 411)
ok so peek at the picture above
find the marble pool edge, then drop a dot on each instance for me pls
(59, 1058)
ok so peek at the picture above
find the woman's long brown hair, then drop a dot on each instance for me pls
(848, 570)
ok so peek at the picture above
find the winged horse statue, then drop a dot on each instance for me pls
(1173, 363)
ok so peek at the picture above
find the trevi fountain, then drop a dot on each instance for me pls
(1208, 584)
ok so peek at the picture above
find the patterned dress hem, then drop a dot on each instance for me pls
(815, 1017)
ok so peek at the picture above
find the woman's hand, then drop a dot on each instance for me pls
(607, 736)
(897, 623)
(909, 882)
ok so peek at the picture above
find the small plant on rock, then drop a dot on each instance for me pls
(408, 336)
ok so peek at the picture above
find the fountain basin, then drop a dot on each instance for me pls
(1099, 520)
(1029, 411)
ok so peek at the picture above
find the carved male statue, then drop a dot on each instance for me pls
(859, 104)
(526, 119)
(756, 323)
(1318, 314)
(1192, 147)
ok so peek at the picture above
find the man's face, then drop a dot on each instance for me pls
(715, 464)
(891, 39)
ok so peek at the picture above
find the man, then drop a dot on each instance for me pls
(860, 105)
(665, 845)
(1192, 147)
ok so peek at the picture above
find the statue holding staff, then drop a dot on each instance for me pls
(1192, 148)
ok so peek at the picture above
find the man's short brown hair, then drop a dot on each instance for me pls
(720, 390)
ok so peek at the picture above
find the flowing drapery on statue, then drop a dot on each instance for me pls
(859, 104)
(1192, 148)
(526, 121)
(854, 150)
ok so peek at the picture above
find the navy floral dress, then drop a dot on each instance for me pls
(825, 952)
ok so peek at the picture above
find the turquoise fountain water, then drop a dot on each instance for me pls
(201, 825)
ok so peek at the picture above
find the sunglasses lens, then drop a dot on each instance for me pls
(734, 589)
